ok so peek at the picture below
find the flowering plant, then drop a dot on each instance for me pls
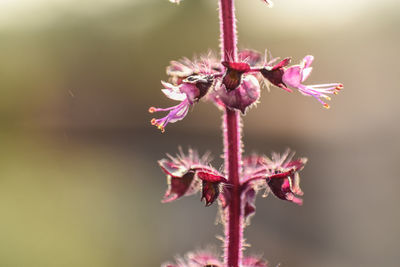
(232, 83)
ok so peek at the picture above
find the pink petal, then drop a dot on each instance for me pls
(306, 73)
(292, 76)
(307, 61)
(172, 92)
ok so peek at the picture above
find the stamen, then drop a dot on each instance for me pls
(335, 92)
(327, 106)
(327, 98)
(161, 128)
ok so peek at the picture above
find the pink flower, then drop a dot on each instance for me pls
(188, 92)
(295, 75)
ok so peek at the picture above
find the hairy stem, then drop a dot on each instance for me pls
(234, 212)
(232, 145)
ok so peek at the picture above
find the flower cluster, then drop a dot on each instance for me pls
(207, 258)
(235, 85)
(232, 84)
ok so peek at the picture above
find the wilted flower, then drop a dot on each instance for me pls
(233, 74)
(211, 185)
(275, 73)
(283, 178)
(294, 76)
(181, 172)
(189, 91)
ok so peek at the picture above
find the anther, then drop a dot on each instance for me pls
(161, 128)
(152, 109)
(327, 98)
(153, 121)
(327, 106)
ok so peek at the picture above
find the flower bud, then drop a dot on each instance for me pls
(245, 95)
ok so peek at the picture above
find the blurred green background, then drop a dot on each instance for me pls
(79, 183)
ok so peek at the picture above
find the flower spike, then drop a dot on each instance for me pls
(232, 83)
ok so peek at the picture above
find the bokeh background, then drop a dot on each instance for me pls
(79, 183)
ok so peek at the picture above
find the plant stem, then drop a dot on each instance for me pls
(232, 145)
(234, 212)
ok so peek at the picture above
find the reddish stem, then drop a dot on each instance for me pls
(234, 212)
(232, 145)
